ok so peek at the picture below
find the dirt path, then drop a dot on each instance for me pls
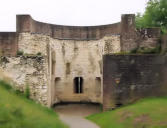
(74, 115)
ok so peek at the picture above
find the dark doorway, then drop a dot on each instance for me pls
(78, 85)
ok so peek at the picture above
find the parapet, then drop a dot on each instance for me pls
(25, 23)
(8, 43)
(130, 37)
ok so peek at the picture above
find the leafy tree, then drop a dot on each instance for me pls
(154, 16)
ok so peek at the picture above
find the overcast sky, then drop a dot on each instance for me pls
(68, 12)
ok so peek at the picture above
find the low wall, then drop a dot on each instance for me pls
(127, 78)
(8, 43)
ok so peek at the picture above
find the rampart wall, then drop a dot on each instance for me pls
(130, 38)
(53, 55)
(27, 72)
(127, 78)
(25, 23)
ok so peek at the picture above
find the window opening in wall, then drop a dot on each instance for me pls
(78, 85)
(53, 63)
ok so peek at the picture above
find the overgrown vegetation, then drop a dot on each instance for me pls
(39, 54)
(154, 16)
(147, 113)
(16, 111)
(5, 85)
(143, 50)
(27, 92)
(20, 53)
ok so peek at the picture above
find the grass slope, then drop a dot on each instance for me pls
(18, 112)
(146, 113)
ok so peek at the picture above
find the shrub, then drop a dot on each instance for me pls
(18, 92)
(143, 50)
(20, 53)
(39, 54)
(5, 85)
(134, 50)
(27, 92)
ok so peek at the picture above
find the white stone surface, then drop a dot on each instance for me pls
(51, 79)
(27, 71)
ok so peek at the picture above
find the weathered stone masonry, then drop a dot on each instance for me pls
(27, 71)
(127, 78)
(55, 56)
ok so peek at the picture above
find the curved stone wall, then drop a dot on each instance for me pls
(25, 23)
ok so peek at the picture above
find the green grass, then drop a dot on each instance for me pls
(16, 111)
(146, 113)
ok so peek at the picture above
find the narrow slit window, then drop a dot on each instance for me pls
(78, 85)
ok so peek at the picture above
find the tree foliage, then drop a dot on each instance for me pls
(154, 16)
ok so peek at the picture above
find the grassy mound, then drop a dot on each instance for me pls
(16, 111)
(147, 113)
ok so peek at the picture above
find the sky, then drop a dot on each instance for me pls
(68, 12)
